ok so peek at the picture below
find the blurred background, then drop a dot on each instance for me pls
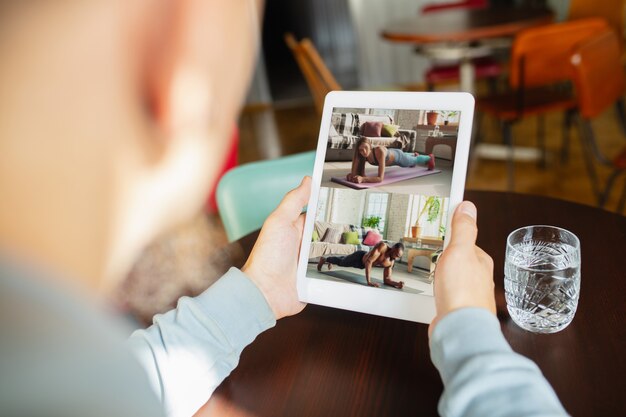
(528, 104)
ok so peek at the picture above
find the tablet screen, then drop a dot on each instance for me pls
(384, 200)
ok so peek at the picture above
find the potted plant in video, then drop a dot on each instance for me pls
(371, 222)
(429, 212)
(448, 115)
(431, 117)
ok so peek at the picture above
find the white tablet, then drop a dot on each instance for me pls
(389, 171)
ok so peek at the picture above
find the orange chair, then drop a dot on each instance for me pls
(538, 79)
(613, 11)
(599, 82)
(316, 74)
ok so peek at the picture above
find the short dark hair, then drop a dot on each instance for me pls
(399, 245)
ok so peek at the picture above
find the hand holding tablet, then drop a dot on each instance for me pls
(465, 273)
(272, 262)
(379, 200)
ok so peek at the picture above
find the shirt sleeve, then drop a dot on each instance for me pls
(482, 376)
(189, 350)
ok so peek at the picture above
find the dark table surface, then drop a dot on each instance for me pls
(466, 25)
(330, 362)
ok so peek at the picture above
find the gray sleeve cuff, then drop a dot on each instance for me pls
(462, 334)
(238, 308)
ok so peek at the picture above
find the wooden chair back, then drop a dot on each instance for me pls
(540, 55)
(598, 73)
(316, 74)
(611, 10)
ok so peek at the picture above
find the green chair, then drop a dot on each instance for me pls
(246, 195)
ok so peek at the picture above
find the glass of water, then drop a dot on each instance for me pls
(542, 277)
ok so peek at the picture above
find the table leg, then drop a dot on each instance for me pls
(467, 73)
(431, 277)
(417, 252)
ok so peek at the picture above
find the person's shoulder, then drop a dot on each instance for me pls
(381, 246)
(51, 327)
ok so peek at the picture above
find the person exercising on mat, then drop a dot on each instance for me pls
(380, 255)
(381, 156)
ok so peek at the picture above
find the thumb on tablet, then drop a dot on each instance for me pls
(463, 228)
(294, 201)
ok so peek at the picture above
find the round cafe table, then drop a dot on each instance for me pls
(330, 362)
(446, 34)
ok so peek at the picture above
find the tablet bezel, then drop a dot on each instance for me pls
(413, 307)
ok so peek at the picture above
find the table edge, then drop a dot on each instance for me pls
(500, 30)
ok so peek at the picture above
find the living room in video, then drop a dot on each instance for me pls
(378, 239)
(397, 151)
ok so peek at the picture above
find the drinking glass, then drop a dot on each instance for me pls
(542, 277)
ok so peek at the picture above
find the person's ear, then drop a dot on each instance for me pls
(198, 63)
(176, 88)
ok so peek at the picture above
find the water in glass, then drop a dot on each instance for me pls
(542, 278)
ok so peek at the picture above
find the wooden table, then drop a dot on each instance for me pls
(452, 27)
(466, 24)
(412, 253)
(329, 362)
(425, 240)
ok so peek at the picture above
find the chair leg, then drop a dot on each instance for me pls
(508, 140)
(621, 114)
(541, 140)
(565, 145)
(594, 150)
(622, 200)
(607, 190)
(588, 153)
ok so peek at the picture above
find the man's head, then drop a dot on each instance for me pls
(396, 251)
(114, 120)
